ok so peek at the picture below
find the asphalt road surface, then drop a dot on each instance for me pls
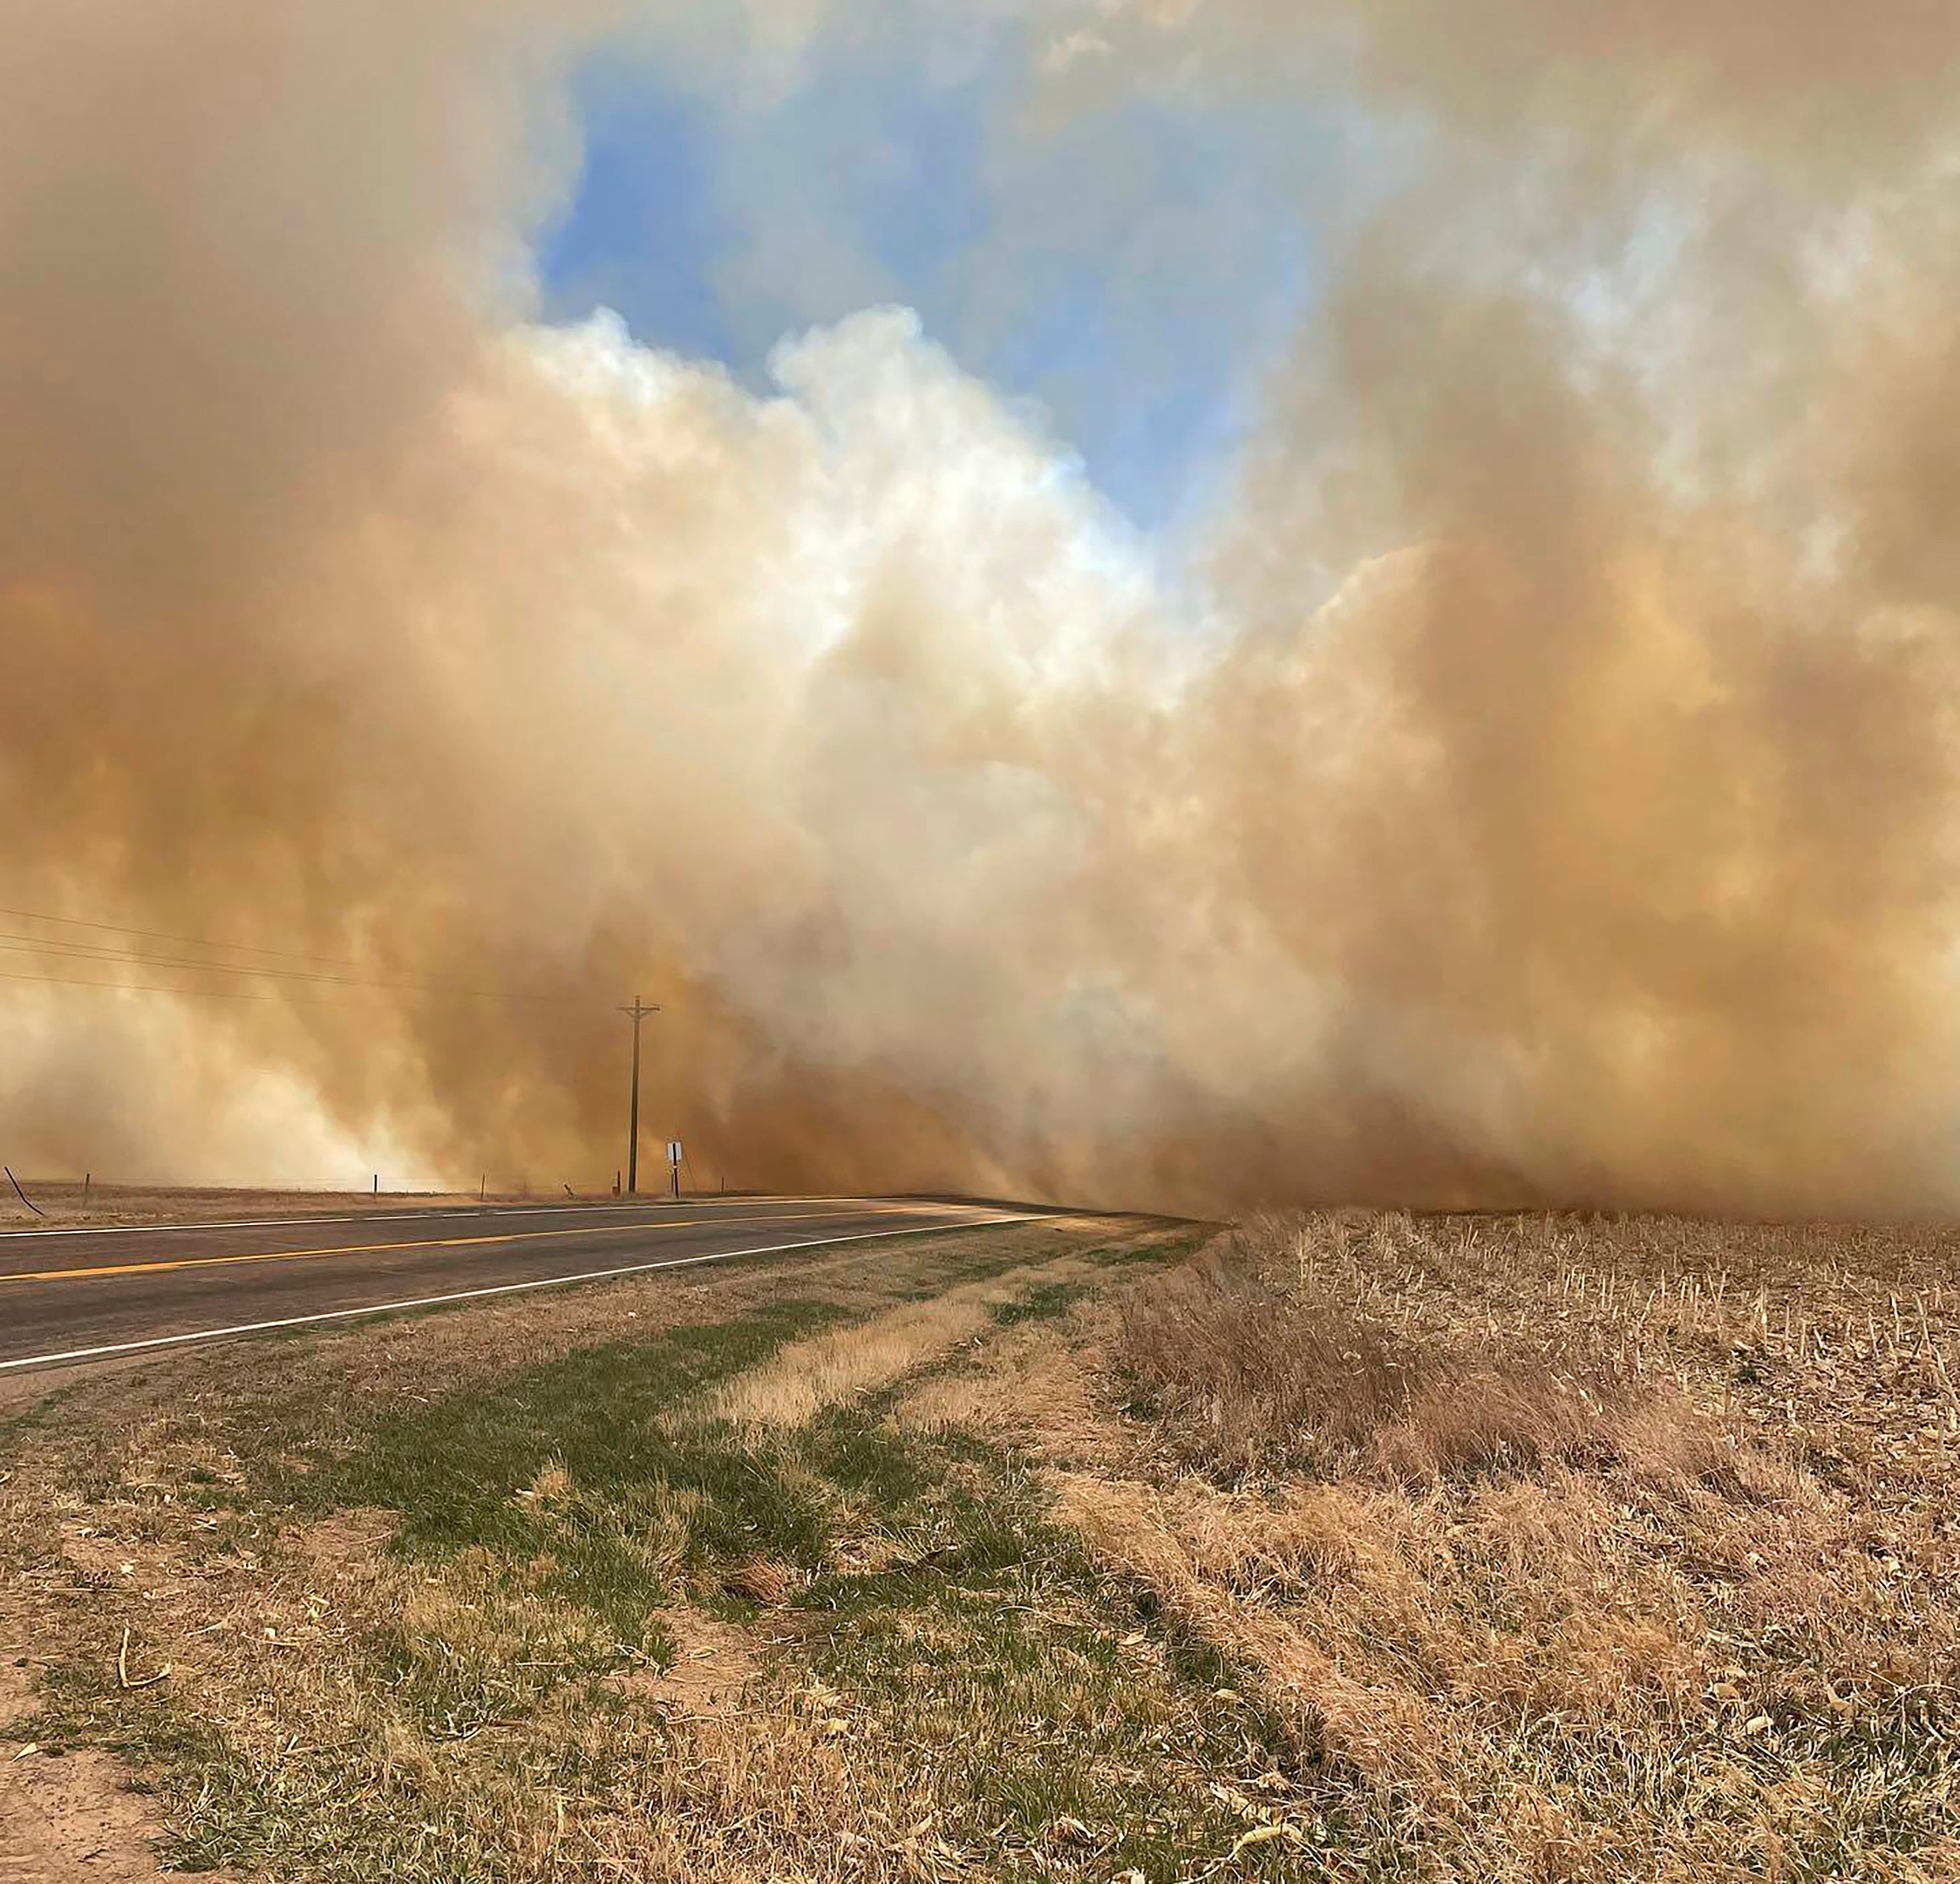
(71, 1295)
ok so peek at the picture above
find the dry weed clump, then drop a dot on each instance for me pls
(1251, 1375)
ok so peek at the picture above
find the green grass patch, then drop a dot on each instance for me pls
(1045, 1303)
(1040, 1706)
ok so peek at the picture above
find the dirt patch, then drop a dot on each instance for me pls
(714, 1663)
(349, 1543)
(17, 1698)
(71, 1816)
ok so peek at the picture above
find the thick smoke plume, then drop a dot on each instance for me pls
(1541, 785)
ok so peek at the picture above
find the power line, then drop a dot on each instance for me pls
(195, 941)
(14, 944)
(88, 952)
(97, 950)
(148, 987)
(195, 994)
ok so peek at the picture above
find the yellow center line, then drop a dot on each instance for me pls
(430, 1242)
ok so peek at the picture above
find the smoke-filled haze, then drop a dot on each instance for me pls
(1523, 767)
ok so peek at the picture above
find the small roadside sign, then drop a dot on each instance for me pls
(673, 1151)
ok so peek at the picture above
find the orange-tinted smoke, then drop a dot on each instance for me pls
(1546, 793)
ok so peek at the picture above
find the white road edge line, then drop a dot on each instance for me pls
(436, 1216)
(508, 1288)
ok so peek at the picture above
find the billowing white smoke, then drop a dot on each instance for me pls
(1543, 786)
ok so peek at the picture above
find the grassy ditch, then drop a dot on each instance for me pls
(448, 1637)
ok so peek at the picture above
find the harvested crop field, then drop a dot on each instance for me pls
(1346, 1545)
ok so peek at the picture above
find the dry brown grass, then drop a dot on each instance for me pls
(804, 1376)
(1250, 1375)
(1032, 1388)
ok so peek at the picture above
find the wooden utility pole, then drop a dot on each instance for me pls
(636, 1014)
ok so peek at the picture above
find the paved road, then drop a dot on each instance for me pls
(67, 1295)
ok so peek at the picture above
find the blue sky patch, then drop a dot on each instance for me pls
(1134, 271)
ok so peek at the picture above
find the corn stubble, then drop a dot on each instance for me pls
(1576, 1548)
